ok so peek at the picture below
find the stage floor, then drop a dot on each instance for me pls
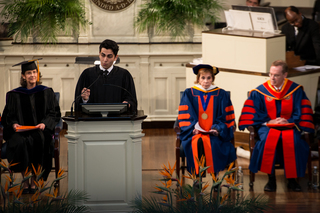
(158, 148)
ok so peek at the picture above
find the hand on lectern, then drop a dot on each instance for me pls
(294, 60)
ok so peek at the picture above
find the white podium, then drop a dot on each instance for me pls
(104, 159)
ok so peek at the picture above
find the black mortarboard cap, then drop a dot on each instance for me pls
(207, 66)
(29, 65)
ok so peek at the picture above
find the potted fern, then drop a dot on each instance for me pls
(195, 198)
(176, 17)
(46, 199)
(43, 19)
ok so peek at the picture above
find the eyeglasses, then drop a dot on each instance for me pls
(275, 76)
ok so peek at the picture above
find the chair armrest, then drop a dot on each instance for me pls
(1, 133)
(60, 124)
(2, 149)
(177, 130)
(252, 137)
(56, 135)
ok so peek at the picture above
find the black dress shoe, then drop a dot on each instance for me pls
(294, 185)
(25, 191)
(216, 188)
(271, 186)
(32, 190)
(196, 185)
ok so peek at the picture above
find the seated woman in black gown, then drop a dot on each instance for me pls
(30, 105)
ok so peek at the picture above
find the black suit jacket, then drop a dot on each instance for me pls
(307, 42)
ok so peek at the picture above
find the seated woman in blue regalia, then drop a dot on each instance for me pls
(30, 105)
(206, 118)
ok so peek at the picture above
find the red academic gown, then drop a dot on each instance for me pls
(279, 143)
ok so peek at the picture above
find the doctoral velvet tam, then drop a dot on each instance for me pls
(206, 66)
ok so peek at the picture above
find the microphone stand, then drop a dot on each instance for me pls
(133, 98)
(78, 97)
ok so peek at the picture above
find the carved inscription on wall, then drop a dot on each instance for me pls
(113, 5)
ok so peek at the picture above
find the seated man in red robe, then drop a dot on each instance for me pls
(280, 110)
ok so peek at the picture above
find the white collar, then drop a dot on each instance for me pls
(279, 88)
(109, 69)
(210, 88)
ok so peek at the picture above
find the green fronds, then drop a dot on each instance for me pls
(193, 198)
(45, 19)
(40, 202)
(175, 16)
(239, 205)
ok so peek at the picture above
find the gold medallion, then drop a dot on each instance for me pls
(204, 116)
(288, 97)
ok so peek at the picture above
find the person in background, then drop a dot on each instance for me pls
(302, 36)
(253, 3)
(279, 110)
(206, 118)
(30, 105)
(316, 11)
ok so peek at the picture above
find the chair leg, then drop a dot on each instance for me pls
(252, 177)
(0, 172)
(234, 166)
(309, 165)
(183, 167)
(178, 162)
(319, 161)
(56, 164)
(251, 147)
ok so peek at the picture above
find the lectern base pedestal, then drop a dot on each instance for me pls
(104, 160)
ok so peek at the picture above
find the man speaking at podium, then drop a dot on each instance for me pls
(106, 83)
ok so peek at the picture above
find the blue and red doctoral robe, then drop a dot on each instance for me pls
(211, 110)
(283, 145)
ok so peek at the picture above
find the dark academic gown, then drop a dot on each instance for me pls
(29, 108)
(212, 110)
(279, 143)
(307, 43)
(116, 87)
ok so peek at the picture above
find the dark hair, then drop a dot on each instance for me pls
(202, 71)
(111, 45)
(23, 82)
(281, 63)
(293, 9)
(258, 1)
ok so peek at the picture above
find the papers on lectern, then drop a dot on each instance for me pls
(262, 22)
(239, 20)
(251, 19)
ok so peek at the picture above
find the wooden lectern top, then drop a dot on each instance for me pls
(243, 33)
(83, 117)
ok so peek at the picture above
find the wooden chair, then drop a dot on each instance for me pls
(310, 159)
(253, 138)
(180, 156)
(55, 138)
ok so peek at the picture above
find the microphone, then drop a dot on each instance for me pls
(78, 97)
(133, 98)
